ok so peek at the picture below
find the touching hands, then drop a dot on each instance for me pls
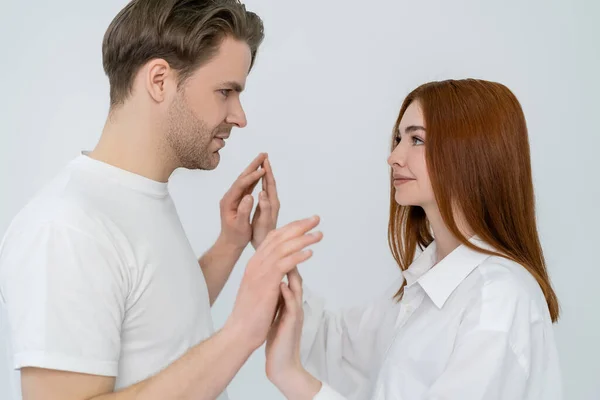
(267, 212)
(267, 308)
(281, 251)
(237, 228)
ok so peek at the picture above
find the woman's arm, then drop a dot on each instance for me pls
(284, 367)
(343, 348)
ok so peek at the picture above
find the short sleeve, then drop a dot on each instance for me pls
(64, 293)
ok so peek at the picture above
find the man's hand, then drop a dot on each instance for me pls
(267, 212)
(259, 291)
(236, 206)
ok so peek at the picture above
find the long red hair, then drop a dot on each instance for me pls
(478, 159)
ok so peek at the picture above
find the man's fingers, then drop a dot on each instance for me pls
(290, 262)
(245, 208)
(264, 204)
(241, 187)
(263, 210)
(251, 187)
(271, 186)
(249, 181)
(270, 177)
(294, 245)
(291, 230)
(254, 164)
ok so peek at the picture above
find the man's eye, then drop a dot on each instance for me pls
(225, 92)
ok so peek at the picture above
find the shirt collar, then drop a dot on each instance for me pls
(420, 265)
(441, 281)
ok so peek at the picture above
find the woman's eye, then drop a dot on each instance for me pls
(417, 141)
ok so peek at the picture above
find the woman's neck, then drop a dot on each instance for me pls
(446, 241)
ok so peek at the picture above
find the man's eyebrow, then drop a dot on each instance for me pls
(233, 85)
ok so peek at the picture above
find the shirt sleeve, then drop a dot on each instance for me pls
(491, 359)
(64, 292)
(343, 349)
(327, 393)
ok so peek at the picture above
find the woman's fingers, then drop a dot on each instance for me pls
(295, 281)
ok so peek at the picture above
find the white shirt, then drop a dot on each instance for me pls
(97, 276)
(474, 327)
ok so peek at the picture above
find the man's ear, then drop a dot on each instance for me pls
(160, 80)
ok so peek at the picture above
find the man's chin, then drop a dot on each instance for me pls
(207, 164)
(214, 161)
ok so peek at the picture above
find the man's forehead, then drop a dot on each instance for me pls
(232, 51)
(226, 76)
(230, 66)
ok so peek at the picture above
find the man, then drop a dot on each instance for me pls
(104, 296)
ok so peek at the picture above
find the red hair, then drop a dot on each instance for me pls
(478, 159)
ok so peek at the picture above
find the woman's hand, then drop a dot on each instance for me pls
(284, 368)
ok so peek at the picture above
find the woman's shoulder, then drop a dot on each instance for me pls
(512, 277)
(503, 287)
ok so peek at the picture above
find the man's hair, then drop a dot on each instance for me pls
(185, 33)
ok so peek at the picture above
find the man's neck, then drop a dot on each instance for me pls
(131, 142)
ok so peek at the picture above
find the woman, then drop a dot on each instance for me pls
(471, 317)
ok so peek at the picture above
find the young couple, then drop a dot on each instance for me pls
(105, 298)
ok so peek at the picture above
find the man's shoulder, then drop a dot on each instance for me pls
(59, 232)
(51, 221)
(53, 206)
(60, 207)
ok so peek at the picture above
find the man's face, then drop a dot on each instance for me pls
(207, 106)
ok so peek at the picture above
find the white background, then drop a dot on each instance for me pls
(322, 100)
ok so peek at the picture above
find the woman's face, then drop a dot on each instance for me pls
(410, 176)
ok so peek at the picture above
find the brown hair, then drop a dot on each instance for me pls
(185, 33)
(478, 158)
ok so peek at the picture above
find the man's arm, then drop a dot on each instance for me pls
(236, 228)
(202, 373)
(217, 264)
(206, 369)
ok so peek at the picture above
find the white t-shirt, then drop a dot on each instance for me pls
(473, 327)
(97, 276)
